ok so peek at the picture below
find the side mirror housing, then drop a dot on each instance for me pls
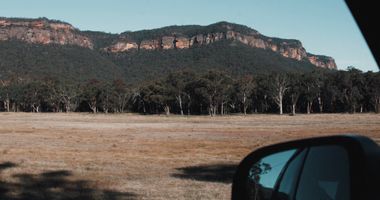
(333, 167)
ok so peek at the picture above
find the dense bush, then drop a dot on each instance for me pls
(212, 92)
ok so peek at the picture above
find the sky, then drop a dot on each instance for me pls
(324, 27)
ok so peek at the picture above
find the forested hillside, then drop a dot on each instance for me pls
(64, 62)
(232, 57)
(42, 48)
(50, 66)
(35, 61)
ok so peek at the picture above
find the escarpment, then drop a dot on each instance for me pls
(225, 31)
(45, 31)
(42, 31)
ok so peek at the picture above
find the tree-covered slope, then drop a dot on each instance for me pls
(39, 48)
(236, 58)
(36, 61)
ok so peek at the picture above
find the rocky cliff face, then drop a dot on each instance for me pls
(42, 31)
(325, 61)
(287, 48)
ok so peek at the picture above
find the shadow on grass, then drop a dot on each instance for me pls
(222, 173)
(53, 185)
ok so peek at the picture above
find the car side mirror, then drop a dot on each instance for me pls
(334, 167)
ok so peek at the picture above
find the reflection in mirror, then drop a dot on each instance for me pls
(263, 174)
(288, 181)
(325, 174)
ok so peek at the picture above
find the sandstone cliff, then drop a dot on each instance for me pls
(42, 31)
(45, 31)
(225, 31)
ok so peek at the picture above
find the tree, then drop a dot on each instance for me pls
(331, 93)
(373, 90)
(262, 93)
(358, 89)
(320, 78)
(69, 94)
(33, 95)
(349, 84)
(105, 97)
(244, 88)
(295, 85)
(311, 89)
(278, 85)
(16, 94)
(51, 95)
(4, 93)
(156, 95)
(215, 87)
(120, 95)
(137, 100)
(91, 92)
(196, 93)
(176, 85)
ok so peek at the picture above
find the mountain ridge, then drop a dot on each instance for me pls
(47, 31)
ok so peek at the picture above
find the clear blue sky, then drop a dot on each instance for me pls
(323, 26)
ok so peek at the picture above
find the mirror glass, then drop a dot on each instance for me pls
(314, 173)
(325, 174)
(263, 174)
(288, 183)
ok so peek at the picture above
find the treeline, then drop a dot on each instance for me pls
(212, 93)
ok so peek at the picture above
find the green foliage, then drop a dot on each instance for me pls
(219, 78)
(101, 39)
(235, 58)
(31, 61)
(211, 92)
(372, 90)
(187, 30)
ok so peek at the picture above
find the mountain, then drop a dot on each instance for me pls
(43, 47)
(185, 37)
(42, 31)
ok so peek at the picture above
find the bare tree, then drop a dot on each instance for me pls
(176, 84)
(69, 96)
(278, 85)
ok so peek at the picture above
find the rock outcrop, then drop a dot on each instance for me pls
(123, 46)
(287, 48)
(323, 61)
(42, 31)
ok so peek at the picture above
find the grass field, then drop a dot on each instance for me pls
(86, 156)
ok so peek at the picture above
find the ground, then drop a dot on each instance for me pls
(125, 156)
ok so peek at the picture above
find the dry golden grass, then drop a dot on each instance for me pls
(124, 156)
